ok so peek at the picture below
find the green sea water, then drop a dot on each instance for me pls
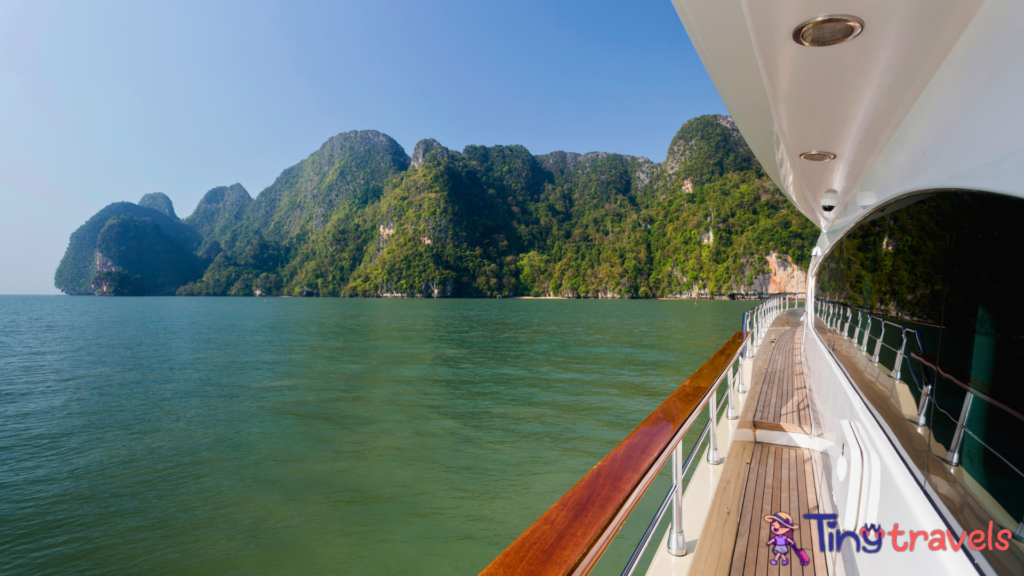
(318, 436)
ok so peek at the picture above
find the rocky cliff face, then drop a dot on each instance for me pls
(104, 264)
(785, 276)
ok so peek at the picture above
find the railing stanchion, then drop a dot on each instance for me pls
(899, 357)
(856, 329)
(748, 348)
(867, 335)
(713, 458)
(730, 411)
(922, 406)
(878, 344)
(676, 538)
(957, 445)
(757, 329)
(739, 379)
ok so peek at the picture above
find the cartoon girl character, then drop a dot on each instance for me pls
(782, 525)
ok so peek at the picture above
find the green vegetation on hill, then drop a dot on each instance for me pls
(252, 272)
(160, 202)
(347, 172)
(361, 218)
(217, 215)
(140, 247)
(77, 268)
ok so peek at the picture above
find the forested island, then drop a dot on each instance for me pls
(359, 217)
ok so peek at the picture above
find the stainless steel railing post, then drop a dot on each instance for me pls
(730, 410)
(748, 348)
(878, 344)
(846, 326)
(739, 379)
(867, 335)
(957, 445)
(753, 332)
(922, 406)
(676, 538)
(713, 458)
(856, 329)
(899, 357)
(758, 328)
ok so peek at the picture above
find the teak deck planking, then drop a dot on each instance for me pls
(714, 553)
(783, 403)
(779, 479)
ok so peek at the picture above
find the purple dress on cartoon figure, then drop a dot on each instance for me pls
(782, 544)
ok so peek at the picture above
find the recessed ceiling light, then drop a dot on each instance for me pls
(818, 156)
(828, 30)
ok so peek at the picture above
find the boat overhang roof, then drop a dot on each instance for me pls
(926, 97)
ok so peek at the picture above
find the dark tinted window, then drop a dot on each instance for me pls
(949, 265)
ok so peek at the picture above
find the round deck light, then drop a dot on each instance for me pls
(818, 156)
(828, 30)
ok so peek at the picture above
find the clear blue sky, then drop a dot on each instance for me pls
(106, 101)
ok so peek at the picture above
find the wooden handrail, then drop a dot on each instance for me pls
(571, 536)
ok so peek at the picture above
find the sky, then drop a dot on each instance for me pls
(103, 102)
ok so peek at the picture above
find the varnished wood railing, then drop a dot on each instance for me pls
(571, 536)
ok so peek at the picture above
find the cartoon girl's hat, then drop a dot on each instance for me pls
(782, 518)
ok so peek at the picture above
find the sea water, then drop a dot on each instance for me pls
(319, 436)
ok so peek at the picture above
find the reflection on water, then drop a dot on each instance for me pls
(211, 436)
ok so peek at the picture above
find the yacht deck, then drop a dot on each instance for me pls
(760, 479)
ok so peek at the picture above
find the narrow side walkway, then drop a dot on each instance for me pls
(783, 403)
(779, 479)
(762, 478)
